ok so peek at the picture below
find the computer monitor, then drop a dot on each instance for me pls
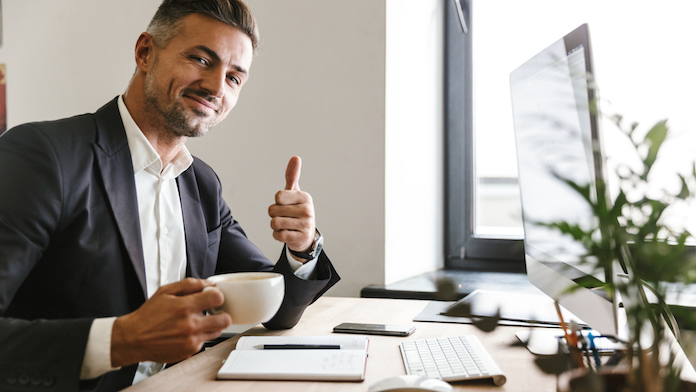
(556, 128)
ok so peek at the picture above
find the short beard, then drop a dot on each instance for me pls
(175, 116)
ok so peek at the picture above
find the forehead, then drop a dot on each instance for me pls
(230, 44)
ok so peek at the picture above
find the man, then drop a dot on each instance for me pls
(103, 215)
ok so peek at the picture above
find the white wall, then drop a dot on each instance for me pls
(316, 90)
(70, 56)
(354, 91)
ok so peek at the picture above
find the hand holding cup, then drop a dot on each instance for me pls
(250, 297)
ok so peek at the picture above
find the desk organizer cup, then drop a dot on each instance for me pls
(250, 297)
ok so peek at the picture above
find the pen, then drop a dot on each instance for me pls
(563, 324)
(299, 347)
(594, 350)
(571, 338)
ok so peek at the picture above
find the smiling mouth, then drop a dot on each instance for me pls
(201, 104)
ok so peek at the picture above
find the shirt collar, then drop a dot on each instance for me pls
(143, 155)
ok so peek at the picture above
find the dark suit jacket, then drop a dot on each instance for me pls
(71, 251)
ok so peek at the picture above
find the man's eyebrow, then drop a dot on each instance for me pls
(215, 57)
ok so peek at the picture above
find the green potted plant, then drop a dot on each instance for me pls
(631, 230)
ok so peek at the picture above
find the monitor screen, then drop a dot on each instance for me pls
(555, 131)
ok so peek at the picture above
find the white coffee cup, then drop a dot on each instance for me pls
(250, 297)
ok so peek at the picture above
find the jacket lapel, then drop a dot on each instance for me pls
(194, 224)
(116, 167)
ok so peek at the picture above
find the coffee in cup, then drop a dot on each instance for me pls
(250, 297)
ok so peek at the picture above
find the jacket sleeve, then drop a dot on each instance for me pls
(237, 253)
(38, 354)
(300, 293)
(30, 205)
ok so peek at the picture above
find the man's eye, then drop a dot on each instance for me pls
(233, 79)
(200, 60)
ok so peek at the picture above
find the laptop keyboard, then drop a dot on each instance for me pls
(452, 358)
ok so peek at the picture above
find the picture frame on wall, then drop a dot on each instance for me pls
(0, 22)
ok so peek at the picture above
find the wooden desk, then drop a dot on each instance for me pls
(198, 372)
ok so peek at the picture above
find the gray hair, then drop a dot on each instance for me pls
(167, 20)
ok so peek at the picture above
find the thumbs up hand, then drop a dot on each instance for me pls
(292, 215)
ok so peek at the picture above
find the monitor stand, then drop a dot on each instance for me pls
(521, 307)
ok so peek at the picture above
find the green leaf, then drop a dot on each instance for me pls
(685, 189)
(621, 200)
(574, 230)
(655, 136)
(459, 309)
(584, 190)
(617, 118)
(554, 364)
(446, 289)
(487, 324)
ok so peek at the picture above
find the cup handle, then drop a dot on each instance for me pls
(217, 310)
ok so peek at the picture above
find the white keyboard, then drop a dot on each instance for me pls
(452, 358)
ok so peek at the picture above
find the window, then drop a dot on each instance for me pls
(643, 65)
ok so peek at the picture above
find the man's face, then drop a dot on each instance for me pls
(194, 82)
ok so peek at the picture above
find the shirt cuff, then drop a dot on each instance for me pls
(97, 359)
(301, 270)
(306, 270)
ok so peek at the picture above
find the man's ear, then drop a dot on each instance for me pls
(144, 50)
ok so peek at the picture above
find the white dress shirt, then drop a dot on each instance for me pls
(163, 238)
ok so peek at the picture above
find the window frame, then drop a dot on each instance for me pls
(463, 248)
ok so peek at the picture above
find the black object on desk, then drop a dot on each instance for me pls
(298, 347)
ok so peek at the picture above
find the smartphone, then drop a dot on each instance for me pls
(375, 329)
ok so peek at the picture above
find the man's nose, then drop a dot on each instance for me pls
(214, 82)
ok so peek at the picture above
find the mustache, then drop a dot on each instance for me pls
(203, 94)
